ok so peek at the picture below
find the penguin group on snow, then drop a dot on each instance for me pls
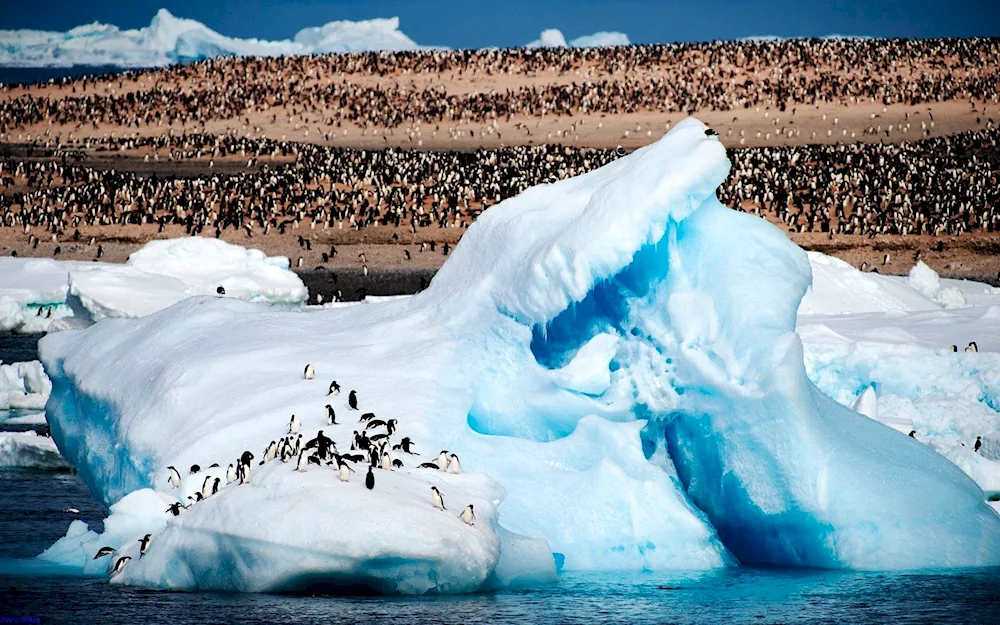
(371, 444)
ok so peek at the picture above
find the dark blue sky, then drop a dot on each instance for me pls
(469, 23)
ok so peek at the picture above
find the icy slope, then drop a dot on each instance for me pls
(35, 293)
(615, 351)
(170, 39)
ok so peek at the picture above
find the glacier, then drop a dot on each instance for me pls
(614, 357)
(39, 295)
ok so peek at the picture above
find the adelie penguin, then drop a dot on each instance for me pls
(175, 509)
(104, 551)
(294, 424)
(345, 473)
(370, 480)
(143, 544)
(468, 515)
(310, 371)
(334, 389)
(437, 499)
(174, 478)
(220, 290)
(120, 564)
(352, 400)
(454, 466)
(303, 461)
(331, 416)
(442, 459)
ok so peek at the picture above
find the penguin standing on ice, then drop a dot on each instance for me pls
(972, 347)
(230, 474)
(174, 477)
(978, 445)
(303, 461)
(310, 371)
(143, 543)
(437, 499)
(216, 486)
(120, 564)
(352, 400)
(293, 425)
(104, 551)
(206, 487)
(468, 515)
(175, 509)
(386, 462)
(195, 468)
(454, 466)
(442, 459)
(345, 473)
(404, 445)
(370, 480)
(334, 389)
(331, 416)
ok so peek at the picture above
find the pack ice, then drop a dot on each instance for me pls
(39, 295)
(614, 359)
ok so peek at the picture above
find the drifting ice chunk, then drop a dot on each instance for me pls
(27, 450)
(23, 386)
(704, 444)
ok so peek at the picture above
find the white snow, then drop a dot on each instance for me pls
(28, 450)
(170, 39)
(614, 359)
(35, 294)
(23, 386)
(553, 38)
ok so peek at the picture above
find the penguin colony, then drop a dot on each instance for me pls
(373, 444)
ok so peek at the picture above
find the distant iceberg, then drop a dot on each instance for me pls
(170, 39)
(553, 38)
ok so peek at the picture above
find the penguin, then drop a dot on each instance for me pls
(430, 465)
(310, 371)
(216, 486)
(390, 426)
(174, 478)
(397, 464)
(334, 389)
(303, 461)
(370, 480)
(293, 425)
(386, 462)
(972, 347)
(979, 443)
(297, 447)
(368, 416)
(454, 466)
(954, 349)
(913, 433)
(331, 416)
(404, 445)
(373, 457)
(468, 515)
(378, 437)
(708, 133)
(437, 499)
(374, 423)
(175, 509)
(194, 469)
(220, 290)
(197, 497)
(442, 459)
(104, 551)
(206, 487)
(120, 564)
(244, 473)
(246, 458)
(345, 473)
(143, 544)
(352, 400)
(271, 452)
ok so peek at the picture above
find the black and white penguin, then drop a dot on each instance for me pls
(972, 347)
(194, 469)
(104, 551)
(885, 260)
(978, 444)
(334, 389)
(367, 416)
(175, 509)
(375, 423)
(390, 426)
(468, 515)
(397, 464)
(294, 424)
(430, 465)
(442, 459)
(324, 445)
(378, 437)
(454, 466)
(913, 433)
(331, 416)
(437, 499)
(120, 564)
(345, 473)
(370, 480)
(216, 486)
(386, 462)
(246, 458)
(174, 477)
(404, 445)
(297, 447)
(143, 544)
(220, 290)
(206, 487)
(352, 400)
(310, 371)
(303, 461)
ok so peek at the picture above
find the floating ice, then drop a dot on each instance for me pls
(28, 450)
(614, 359)
(553, 38)
(37, 293)
(23, 386)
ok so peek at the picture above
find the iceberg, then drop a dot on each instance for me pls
(553, 38)
(23, 386)
(613, 357)
(40, 294)
(169, 39)
(28, 450)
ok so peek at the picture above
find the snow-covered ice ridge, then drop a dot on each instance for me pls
(170, 39)
(38, 295)
(614, 358)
